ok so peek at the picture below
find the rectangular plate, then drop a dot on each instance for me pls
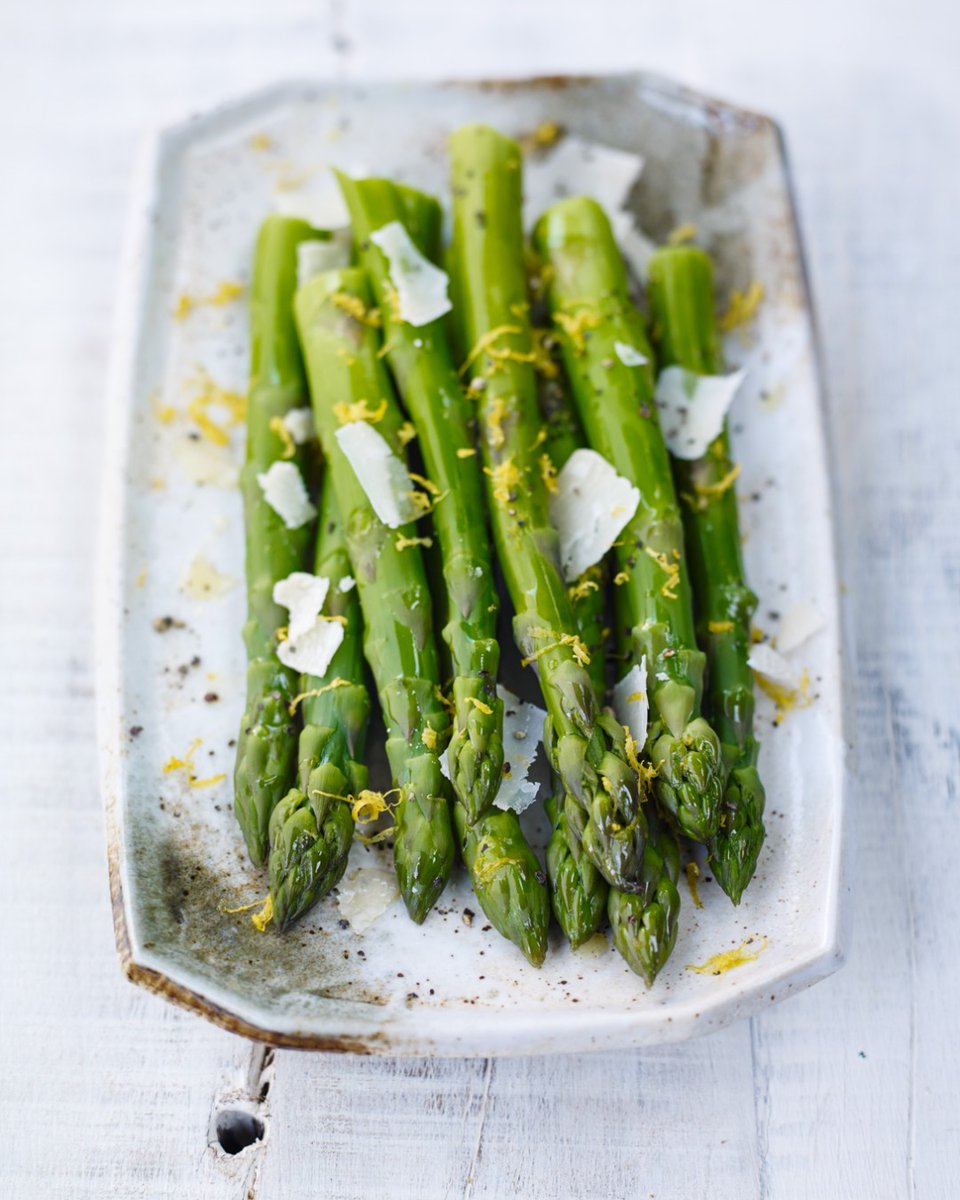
(176, 854)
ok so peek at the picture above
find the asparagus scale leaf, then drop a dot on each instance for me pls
(341, 345)
(592, 312)
(311, 829)
(682, 306)
(266, 745)
(420, 360)
(601, 798)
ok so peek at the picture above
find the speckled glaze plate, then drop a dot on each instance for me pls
(172, 667)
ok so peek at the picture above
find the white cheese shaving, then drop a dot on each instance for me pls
(347, 583)
(629, 355)
(576, 167)
(318, 201)
(630, 701)
(299, 424)
(799, 623)
(315, 256)
(522, 736)
(379, 472)
(693, 408)
(303, 595)
(421, 286)
(203, 581)
(637, 249)
(284, 490)
(589, 507)
(311, 641)
(365, 895)
(772, 665)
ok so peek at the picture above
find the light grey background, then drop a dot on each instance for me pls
(850, 1090)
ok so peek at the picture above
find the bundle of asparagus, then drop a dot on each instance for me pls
(499, 440)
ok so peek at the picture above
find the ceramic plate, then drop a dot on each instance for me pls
(172, 677)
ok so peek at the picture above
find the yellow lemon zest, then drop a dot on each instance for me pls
(693, 874)
(224, 293)
(360, 410)
(683, 233)
(485, 342)
(466, 452)
(672, 570)
(187, 764)
(493, 419)
(575, 326)
(704, 493)
(260, 920)
(720, 626)
(786, 699)
(403, 542)
(580, 652)
(406, 433)
(425, 483)
(356, 308)
(209, 394)
(429, 738)
(742, 307)
(278, 427)
(368, 807)
(621, 578)
(726, 960)
(582, 588)
(485, 871)
(548, 472)
(546, 134)
(244, 907)
(261, 141)
(506, 476)
(328, 687)
(480, 706)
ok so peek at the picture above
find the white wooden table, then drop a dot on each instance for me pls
(850, 1090)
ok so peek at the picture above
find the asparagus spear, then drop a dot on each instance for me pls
(578, 891)
(644, 924)
(420, 360)
(266, 746)
(340, 347)
(593, 314)
(311, 829)
(681, 304)
(601, 798)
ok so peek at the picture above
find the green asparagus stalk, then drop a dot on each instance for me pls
(682, 308)
(578, 891)
(341, 350)
(311, 829)
(644, 924)
(588, 298)
(420, 360)
(601, 798)
(507, 878)
(266, 746)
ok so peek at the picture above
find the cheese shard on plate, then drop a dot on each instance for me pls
(365, 894)
(381, 474)
(693, 408)
(522, 737)
(421, 286)
(311, 640)
(799, 623)
(772, 665)
(317, 200)
(284, 490)
(575, 166)
(630, 701)
(589, 508)
(299, 424)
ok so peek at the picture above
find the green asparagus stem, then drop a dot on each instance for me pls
(340, 347)
(644, 924)
(592, 312)
(507, 877)
(578, 891)
(601, 798)
(266, 746)
(682, 308)
(420, 360)
(311, 829)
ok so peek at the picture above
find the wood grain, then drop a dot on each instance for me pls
(849, 1090)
